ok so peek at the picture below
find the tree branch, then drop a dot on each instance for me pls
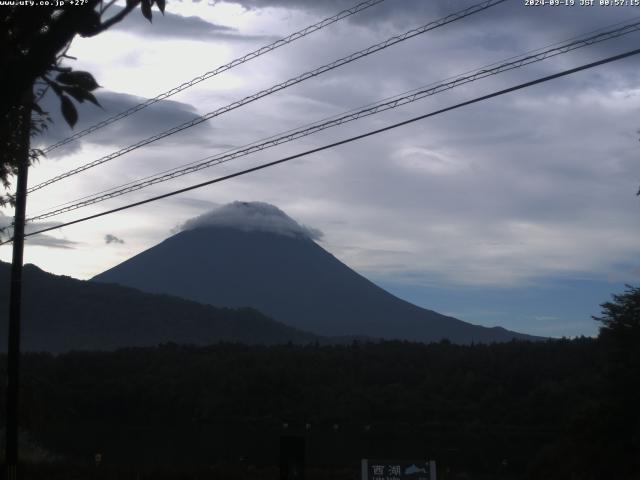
(105, 8)
(116, 18)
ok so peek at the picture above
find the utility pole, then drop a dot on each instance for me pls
(23, 131)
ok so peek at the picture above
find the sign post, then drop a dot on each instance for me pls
(374, 469)
(292, 449)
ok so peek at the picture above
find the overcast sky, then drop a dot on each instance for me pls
(519, 211)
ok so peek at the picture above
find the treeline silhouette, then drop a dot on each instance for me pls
(556, 409)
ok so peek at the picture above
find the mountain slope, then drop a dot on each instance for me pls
(290, 278)
(61, 313)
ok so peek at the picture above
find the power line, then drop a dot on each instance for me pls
(281, 86)
(233, 63)
(394, 102)
(342, 142)
(606, 29)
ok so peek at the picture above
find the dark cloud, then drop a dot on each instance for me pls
(415, 10)
(508, 26)
(108, 239)
(52, 242)
(395, 11)
(297, 4)
(171, 25)
(145, 123)
(6, 231)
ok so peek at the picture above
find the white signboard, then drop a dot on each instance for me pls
(373, 469)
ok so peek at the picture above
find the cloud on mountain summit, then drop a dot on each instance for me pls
(252, 216)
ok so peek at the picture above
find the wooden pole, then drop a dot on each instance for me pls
(15, 296)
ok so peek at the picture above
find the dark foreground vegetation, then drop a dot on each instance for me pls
(565, 409)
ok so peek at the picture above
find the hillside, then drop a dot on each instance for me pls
(61, 313)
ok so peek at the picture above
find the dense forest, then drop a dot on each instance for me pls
(561, 409)
(512, 409)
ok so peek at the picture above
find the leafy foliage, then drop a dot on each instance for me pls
(76, 84)
(621, 318)
(620, 337)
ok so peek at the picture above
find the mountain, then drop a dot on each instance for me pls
(253, 254)
(61, 314)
